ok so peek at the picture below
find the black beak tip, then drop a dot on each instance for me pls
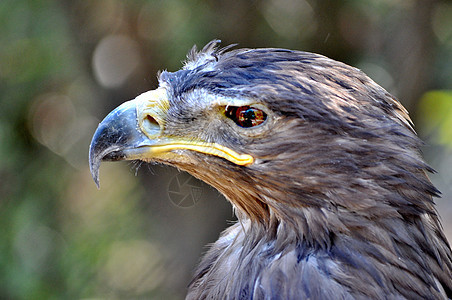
(94, 165)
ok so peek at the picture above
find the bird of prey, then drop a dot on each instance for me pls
(321, 164)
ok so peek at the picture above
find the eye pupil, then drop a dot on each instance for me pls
(249, 114)
(246, 116)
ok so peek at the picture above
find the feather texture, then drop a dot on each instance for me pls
(338, 204)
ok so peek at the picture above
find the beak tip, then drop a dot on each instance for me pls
(94, 165)
(95, 174)
(96, 179)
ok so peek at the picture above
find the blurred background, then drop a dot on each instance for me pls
(65, 64)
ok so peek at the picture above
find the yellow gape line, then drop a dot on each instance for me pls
(207, 148)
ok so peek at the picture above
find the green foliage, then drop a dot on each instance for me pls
(435, 116)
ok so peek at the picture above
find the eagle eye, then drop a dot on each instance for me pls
(245, 116)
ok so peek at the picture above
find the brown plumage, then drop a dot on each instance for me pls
(321, 164)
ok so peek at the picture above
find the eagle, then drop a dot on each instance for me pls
(322, 167)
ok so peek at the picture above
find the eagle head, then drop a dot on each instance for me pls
(313, 155)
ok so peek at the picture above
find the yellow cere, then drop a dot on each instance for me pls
(153, 103)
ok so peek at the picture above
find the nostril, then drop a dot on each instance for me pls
(151, 121)
(150, 125)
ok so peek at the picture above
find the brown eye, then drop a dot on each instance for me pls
(246, 116)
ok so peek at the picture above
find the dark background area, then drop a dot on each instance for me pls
(65, 64)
